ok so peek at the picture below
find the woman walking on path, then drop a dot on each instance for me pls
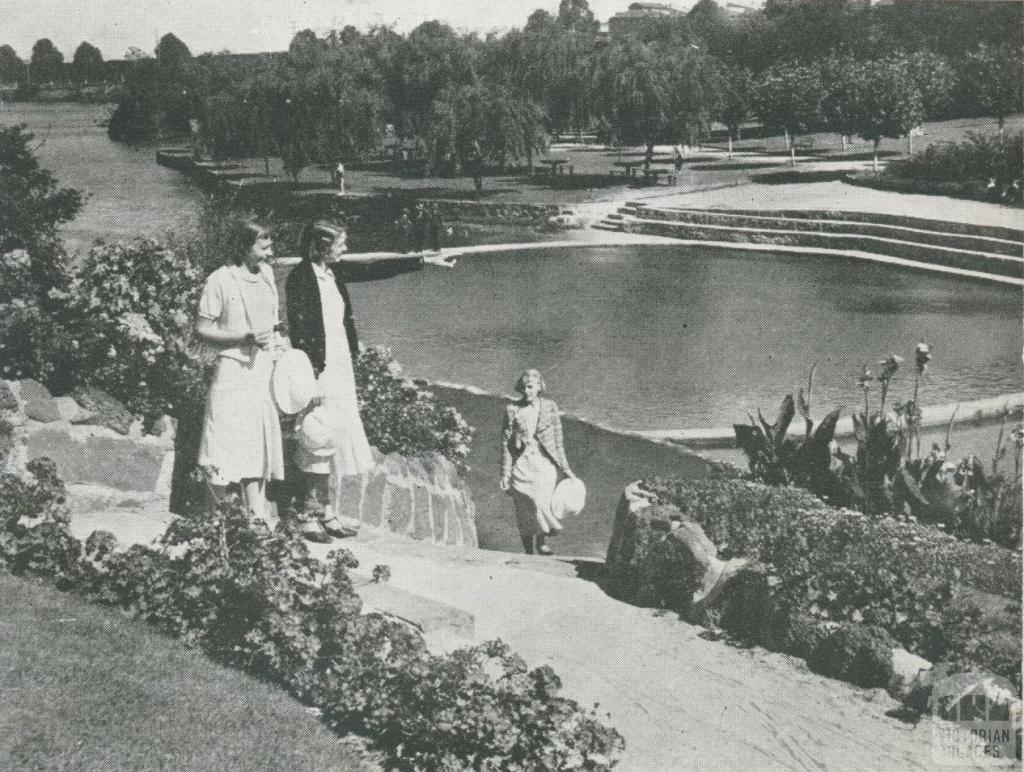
(238, 314)
(533, 457)
(320, 322)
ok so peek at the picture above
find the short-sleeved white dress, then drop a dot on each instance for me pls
(241, 431)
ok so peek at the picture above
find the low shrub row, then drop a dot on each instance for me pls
(972, 190)
(819, 569)
(258, 600)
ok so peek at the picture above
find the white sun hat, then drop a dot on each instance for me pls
(569, 498)
(294, 382)
(315, 433)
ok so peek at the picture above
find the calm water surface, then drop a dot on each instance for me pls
(128, 193)
(651, 338)
(675, 337)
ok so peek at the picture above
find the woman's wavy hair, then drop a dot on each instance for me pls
(318, 235)
(244, 234)
(531, 375)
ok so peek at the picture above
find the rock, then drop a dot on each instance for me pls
(658, 557)
(106, 410)
(32, 389)
(8, 401)
(81, 458)
(907, 669)
(71, 411)
(39, 404)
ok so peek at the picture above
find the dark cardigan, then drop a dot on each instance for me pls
(305, 313)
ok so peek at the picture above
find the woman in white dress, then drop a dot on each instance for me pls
(238, 314)
(320, 322)
(533, 461)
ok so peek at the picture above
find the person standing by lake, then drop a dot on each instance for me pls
(238, 316)
(436, 227)
(403, 231)
(420, 225)
(321, 323)
(533, 458)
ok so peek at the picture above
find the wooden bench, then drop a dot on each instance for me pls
(805, 145)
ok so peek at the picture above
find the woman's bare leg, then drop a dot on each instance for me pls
(255, 501)
(527, 544)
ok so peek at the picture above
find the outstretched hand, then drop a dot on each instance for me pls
(439, 260)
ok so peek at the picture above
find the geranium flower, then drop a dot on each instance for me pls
(865, 378)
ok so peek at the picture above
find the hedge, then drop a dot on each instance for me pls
(816, 567)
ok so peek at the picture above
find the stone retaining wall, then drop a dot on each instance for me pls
(106, 460)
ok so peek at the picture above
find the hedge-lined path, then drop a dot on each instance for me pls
(681, 702)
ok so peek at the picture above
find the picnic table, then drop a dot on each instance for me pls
(555, 164)
(653, 175)
(628, 167)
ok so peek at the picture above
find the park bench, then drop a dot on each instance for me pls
(805, 145)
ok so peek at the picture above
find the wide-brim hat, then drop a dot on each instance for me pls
(315, 433)
(294, 382)
(569, 498)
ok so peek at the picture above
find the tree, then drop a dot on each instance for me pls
(992, 81)
(87, 65)
(172, 54)
(576, 15)
(632, 92)
(887, 102)
(47, 63)
(693, 91)
(134, 54)
(838, 77)
(737, 85)
(12, 69)
(788, 97)
(935, 78)
(305, 50)
(31, 205)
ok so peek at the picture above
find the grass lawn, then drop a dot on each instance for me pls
(86, 688)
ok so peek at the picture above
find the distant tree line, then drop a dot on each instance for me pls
(461, 100)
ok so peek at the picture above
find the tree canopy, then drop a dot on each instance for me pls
(47, 63)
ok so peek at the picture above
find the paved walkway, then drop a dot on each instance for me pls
(681, 702)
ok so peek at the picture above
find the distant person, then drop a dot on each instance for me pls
(403, 231)
(533, 459)
(420, 225)
(436, 227)
(677, 157)
(339, 177)
(320, 322)
(992, 192)
(238, 316)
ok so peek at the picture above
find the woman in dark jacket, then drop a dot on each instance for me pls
(320, 322)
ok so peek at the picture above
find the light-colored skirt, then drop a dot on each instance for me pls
(338, 388)
(241, 430)
(534, 477)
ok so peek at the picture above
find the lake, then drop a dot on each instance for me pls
(640, 338)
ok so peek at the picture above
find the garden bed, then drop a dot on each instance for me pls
(816, 569)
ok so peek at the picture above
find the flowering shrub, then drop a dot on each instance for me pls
(888, 474)
(260, 601)
(399, 416)
(829, 566)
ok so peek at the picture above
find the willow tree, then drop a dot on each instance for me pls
(632, 93)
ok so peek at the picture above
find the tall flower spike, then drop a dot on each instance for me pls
(865, 378)
(889, 367)
(922, 356)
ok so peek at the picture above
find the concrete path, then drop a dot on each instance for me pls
(682, 702)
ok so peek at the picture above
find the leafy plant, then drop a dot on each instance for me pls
(258, 600)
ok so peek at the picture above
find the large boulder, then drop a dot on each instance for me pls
(659, 557)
